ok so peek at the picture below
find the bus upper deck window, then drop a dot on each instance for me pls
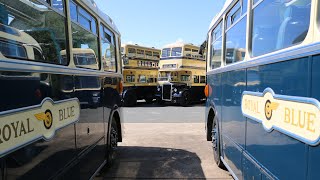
(166, 52)
(156, 55)
(176, 51)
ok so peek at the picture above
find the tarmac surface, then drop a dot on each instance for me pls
(166, 142)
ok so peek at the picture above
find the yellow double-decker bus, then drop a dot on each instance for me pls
(140, 72)
(181, 74)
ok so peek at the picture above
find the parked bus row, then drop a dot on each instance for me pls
(174, 74)
(61, 81)
(262, 112)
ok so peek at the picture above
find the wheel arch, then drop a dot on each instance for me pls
(210, 118)
(118, 121)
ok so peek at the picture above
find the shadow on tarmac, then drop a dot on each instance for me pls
(154, 162)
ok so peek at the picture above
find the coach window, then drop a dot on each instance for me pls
(32, 31)
(131, 52)
(216, 46)
(86, 20)
(73, 11)
(140, 53)
(166, 52)
(202, 79)
(156, 55)
(196, 79)
(58, 4)
(185, 77)
(47, 1)
(244, 6)
(176, 51)
(108, 49)
(148, 54)
(142, 78)
(130, 78)
(84, 38)
(235, 36)
(278, 25)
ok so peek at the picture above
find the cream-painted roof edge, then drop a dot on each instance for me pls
(225, 6)
(181, 44)
(139, 46)
(105, 18)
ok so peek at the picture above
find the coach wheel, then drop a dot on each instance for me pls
(130, 99)
(185, 99)
(149, 98)
(216, 143)
(112, 142)
(159, 101)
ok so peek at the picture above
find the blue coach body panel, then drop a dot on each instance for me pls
(314, 151)
(233, 123)
(275, 150)
(271, 150)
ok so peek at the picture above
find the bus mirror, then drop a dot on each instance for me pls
(125, 60)
(202, 48)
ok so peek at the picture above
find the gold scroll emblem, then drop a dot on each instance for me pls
(46, 117)
(298, 117)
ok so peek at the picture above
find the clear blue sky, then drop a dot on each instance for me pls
(160, 22)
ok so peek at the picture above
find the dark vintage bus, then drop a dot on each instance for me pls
(140, 72)
(60, 115)
(182, 72)
(262, 112)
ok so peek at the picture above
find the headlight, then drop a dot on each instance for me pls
(175, 89)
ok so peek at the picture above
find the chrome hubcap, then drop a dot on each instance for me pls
(214, 137)
(114, 138)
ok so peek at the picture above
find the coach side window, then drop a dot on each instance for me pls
(166, 52)
(84, 39)
(278, 25)
(108, 49)
(216, 46)
(32, 30)
(235, 35)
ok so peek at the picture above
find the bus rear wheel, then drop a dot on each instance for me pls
(149, 99)
(130, 99)
(216, 143)
(113, 138)
(185, 99)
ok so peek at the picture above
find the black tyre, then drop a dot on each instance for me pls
(216, 143)
(160, 101)
(149, 99)
(185, 99)
(130, 99)
(112, 145)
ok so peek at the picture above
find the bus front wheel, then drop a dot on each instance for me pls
(130, 99)
(149, 99)
(216, 143)
(185, 99)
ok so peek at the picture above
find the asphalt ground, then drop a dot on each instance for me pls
(164, 142)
